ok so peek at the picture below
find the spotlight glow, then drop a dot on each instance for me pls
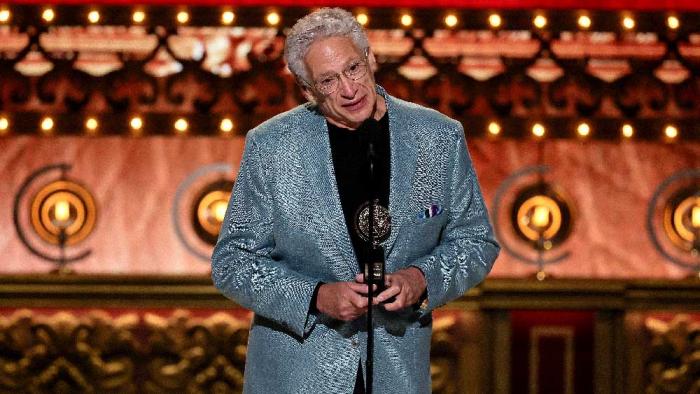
(183, 17)
(94, 16)
(362, 19)
(495, 20)
(583, 129)
(136, 123)
(673, 22)
(494, 128)
(451, 20)
(91, 124)
(273, 18)
(540, 21)
(4, 125)
(628, 23)
(227, 17)
(181, 125)
(538, 130)
(406, 20)
(671, 131)
(5, 16)
(47, 124)
(138, 16)
(584, 21)
(627, 130)
(48, 15)
(226, 125)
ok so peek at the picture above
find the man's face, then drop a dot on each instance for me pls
(354, 101)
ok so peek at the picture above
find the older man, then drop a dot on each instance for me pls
(297, 232)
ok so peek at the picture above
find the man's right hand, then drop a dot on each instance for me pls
(342, 300)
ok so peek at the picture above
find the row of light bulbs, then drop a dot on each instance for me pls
(583, 130)
(136, 123)
(273, 19)
(227, 126)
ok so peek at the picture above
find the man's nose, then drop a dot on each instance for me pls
(347, 86)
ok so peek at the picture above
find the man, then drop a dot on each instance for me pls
(296, 234)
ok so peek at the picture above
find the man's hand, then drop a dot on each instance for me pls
(342, 300)
(406, 285)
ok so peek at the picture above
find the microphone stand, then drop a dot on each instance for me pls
(374, 269)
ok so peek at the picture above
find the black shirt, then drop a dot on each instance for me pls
(351, 160)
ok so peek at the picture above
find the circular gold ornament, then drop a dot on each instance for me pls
(541, 216)
(211, 210)
(678, 219)
(63, 212)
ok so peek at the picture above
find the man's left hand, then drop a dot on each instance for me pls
(406, 285)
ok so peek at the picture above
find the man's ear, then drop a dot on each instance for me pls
(306, 91)
(371, 60)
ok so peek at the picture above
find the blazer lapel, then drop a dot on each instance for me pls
(404, 153)
(318, 162)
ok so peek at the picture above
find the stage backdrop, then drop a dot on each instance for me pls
(134, 181)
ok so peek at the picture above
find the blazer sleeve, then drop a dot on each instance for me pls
(467, 248)
(243, 268)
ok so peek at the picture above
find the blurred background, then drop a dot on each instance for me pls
(121, 130)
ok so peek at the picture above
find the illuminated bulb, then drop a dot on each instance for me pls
(628, 23)
(584, 21)
(138, 16)
(136, 123)
(4, 15)
(91, 124)
(183, 17)
(583, 129)
(540, 21)
(671, 131)
(538, 130)
(47, 124)
(4, 124)
(494, 128)
(627, 130)
(362, 19)
(495, 20)
(540, 216)
(273, 18)
(48, 15)
(181, 125)
(94, 16)
(451, 20)
(220, 210)
(226, 125)
(61, 211)
(673, 22)
(695, 217)
(406, 20)
(227, 17)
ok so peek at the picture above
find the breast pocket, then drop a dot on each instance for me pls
(425, 235)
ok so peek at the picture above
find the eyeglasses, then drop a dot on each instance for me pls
(329, 83)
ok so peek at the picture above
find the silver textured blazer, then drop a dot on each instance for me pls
(285, 232)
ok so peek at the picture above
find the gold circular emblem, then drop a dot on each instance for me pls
(63, 212)
(681, 221)
(212, 209)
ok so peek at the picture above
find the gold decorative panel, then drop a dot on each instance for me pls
(137, 352)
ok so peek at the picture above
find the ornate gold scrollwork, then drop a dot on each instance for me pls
(71, 352)
(673, 360)
(194, 355)
(65, 353)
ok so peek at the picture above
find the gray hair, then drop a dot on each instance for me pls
(324, 23)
